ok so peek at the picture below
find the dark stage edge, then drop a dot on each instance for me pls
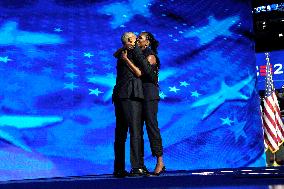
(213, 178)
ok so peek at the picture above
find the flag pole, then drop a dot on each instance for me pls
(271, 115)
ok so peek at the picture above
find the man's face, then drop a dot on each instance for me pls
(131, 40)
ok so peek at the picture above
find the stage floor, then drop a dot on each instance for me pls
(265, 177)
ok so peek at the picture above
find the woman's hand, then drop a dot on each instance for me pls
(124, 55)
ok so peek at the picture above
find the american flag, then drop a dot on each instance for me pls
(272, 123)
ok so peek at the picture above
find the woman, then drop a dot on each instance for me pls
(148, 44)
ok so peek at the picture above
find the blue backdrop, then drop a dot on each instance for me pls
(57, 73)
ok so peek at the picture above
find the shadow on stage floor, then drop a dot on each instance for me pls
(215, 178)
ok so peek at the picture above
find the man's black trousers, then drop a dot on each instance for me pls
(128, 114)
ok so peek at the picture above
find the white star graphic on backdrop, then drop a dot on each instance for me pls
(184, 84)
(225, 93)
(71, 75)
(105, 81)
(88, 54)
(214, 29)
(238, 129)
(58, 30)
(226, 121)
(70, 86)
(173, 89)
(123, 12)
(95, 92)
(5, 59)
(195, 94)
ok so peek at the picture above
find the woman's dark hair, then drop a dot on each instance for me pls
(154, 47)
(153, 42)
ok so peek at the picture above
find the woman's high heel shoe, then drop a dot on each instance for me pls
(161, 172)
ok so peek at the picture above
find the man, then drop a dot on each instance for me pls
(127, 97)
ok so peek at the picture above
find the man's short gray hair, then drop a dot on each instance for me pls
(126, 36)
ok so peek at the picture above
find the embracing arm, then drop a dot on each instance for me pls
(130, 64)
(117, 52)
(145, 63)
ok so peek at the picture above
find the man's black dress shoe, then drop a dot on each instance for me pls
(136, 172)
(120, 173)
(145, 170)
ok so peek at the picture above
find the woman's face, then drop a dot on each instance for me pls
(142, 41)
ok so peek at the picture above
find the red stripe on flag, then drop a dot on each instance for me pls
(269, 130)
(269, 143)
